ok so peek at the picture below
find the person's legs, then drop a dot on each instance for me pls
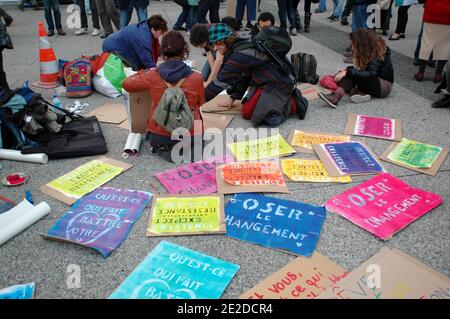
(106, 23)
(359, 17)
(48, 15)
(322, 6)
(240, 8)
(3, 81)
(141, 13)
(402, 19)
(291, 14)
(57, 14)
(125, 15)
(282, 12)
(182, 18)
(439, 67)
(338, 8)
(307, 6)
(251, 11)
(94, 15)
(112, 13)
(8, 19)
(191, 17)
(83, 16)
(214, 16)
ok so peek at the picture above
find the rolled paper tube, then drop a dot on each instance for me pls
(13, 155)
(20, 218)
(132, 145)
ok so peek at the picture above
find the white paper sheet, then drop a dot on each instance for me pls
(13, 155)
(132, 145)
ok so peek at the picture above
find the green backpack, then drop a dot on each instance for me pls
(173, 110)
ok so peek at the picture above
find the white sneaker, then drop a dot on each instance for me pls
(360, 98)
(95, 33)
(293, 31)
(81, 31)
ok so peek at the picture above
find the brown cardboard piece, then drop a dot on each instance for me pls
(125, 125)
(58, 195)
(307, 150)
(311, 91)
(225, 188)
(428, 171)
(140, 103)
(213, 106)
(215, 120)
(110, 113)
(302, 278)
(351, 123)
(332, 170)
(222, 228)
(400, 277)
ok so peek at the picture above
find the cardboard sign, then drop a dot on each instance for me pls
(110, 113)
(250, 177)
(138, 106)
(391, 274)
(311, 91)
(303, 141)
(174, 272)
(216, 121)
(262, 148)
(101, 219)
(302, 278)
(348, 158)
(377, 127)
(84, 179)
(383, 205)
(213, 106)
(304, 170)
(25, 291)
(276, 223)
(420, 157)
(193, 215)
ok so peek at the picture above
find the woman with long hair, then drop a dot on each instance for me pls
(372, 74)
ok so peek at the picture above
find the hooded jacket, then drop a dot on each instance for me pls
(379, 68)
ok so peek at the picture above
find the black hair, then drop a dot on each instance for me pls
(267, 16)
(199, 34)
(231, 22)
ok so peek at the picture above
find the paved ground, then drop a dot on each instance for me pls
(29, 258)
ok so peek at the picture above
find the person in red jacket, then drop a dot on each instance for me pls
(173, 70)
(436, 37)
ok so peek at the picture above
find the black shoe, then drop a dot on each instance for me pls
(61, 32)
(344, 21)
(442, 103)
(50, 33)
(8, 21)
(385, 33)
(248, 26)
(333, 18)
(416, 61)
(179, 29)
(104, 35)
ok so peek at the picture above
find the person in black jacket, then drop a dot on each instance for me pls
(372, 75)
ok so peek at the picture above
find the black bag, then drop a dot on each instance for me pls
(5, 39)
(306, 67)
(276, 39)
(301, 103)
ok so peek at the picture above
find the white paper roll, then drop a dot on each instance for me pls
(19, 218)
(132, 145)
(13, 155)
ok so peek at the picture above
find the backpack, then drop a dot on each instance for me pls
(276, 39)
(77, 75)
(305, 67)
(173, 110)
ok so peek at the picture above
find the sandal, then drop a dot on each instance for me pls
(392, 38)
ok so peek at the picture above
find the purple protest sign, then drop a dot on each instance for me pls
(101, 219)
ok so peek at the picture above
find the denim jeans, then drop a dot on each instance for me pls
(322, 5)
(359, 17)
(286, 8)
(188, 14)
(251, 10)
(338, 7)
(126, 14)
(50, 5)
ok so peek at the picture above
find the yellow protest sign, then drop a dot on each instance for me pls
(273, 146)
(303, 170)
(305, 140)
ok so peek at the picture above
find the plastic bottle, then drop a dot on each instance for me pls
(56, 101)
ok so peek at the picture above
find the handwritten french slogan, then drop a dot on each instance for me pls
(262, 148)
(415, 154)
(186, 215)
(379, 127)
(302, 278)
(383, 205)
(272, 222)
(174, 272)
(308, 139)
(304, 170)
(101, 219)
(257, 173)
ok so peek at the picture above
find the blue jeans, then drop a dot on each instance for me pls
(188, 14)
(125, 15)
(251, 10)
(359, 17)
(322, 5)
(49, 5)
(286, 8)
(338, 8)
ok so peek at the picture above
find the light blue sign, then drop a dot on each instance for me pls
(276, 223)
(18, 292)
(174, 272)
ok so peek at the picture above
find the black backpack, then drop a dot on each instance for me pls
(305, 66)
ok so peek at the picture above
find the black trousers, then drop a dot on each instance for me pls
(402, 19)
(370, 86)
(3, 82)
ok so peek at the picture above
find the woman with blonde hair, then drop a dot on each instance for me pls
(372, 74)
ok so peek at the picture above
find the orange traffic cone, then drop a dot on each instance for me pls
(47, 59)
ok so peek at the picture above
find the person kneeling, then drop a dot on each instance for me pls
(373, 74)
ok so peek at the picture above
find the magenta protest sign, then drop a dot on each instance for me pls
(101, 219)
(383, 205)
(198, 178)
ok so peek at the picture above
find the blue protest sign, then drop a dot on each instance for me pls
(18, 292)
(276, 223)
(174, 272)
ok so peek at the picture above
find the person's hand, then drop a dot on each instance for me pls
(338, 77)
(228, 102)
(205, 84)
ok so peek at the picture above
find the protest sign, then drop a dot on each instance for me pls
(311, 91)
(84, 179)
(110, 113)
(290, 226)
(262, 148)
(250, 177)
(391, 274)
(101, 219)
(383, 205)
(25, 291)
(420, 157)
(304, 170)
(174, 272)
(302, 141)
(302, 278)
(180, 215)
(377, 127)
(348, 158)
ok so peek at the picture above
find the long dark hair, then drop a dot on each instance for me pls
(367, 46)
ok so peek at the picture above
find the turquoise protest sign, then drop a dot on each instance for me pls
(174, 272)
(18, 292)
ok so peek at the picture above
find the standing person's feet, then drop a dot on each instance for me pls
(333, 18)
(437, 78)
(81, 31)
(385, 33)
(248, 26)
(95, 32)
(419, 76)
(50, 33)
(293, 31)
(344, 21)
(442, 103)
(319, 11)
(61, 32)
(331, 99)
(104, 35)
(416, 61)
(394, 37)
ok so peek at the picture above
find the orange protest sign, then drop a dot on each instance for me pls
(258, 173)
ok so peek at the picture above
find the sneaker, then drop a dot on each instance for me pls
(333, 18)
(331, 99)
(293, 31)
(360, 98)
(95, 32)
(50, 33)
(248, 26)
(81, 31)
(61, 32)
(442, 103)
(344, 21)
(348, 60)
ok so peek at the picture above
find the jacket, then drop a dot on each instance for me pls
(382, 69)
(153, 82)
(437, 12)
(135, 43)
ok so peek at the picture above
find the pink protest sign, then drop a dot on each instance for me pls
(380, 127)
(198, 178)
(383, 205)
